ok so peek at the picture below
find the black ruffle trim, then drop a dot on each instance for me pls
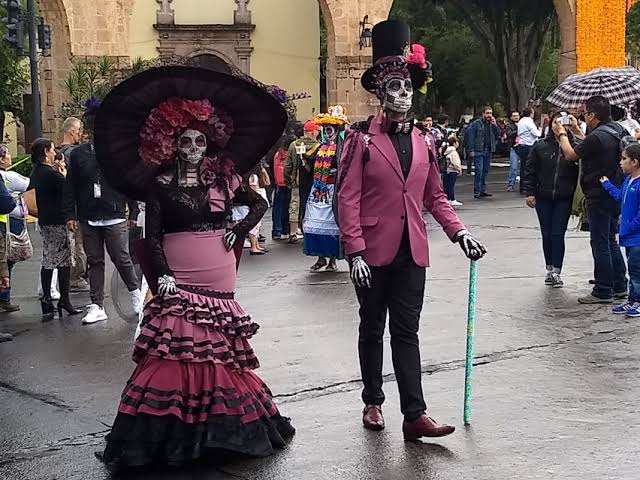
(151, 441)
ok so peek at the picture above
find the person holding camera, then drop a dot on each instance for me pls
(600, 155)
(550, 183)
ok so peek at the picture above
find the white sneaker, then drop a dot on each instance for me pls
(136, 301)
(94, 314)
(456, 203)
(247, 244)
(299, 233)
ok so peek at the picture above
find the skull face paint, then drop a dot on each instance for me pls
(398, 95)
(192, 146)
(330, 134)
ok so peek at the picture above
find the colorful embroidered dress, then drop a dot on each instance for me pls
(321, 232)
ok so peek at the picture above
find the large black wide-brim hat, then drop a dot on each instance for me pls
(390, 40)
(258, 120)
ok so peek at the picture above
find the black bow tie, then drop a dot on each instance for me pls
(403, 128)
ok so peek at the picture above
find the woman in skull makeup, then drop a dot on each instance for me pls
(321, 232)
(194, 392)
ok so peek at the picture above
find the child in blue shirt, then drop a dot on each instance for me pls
(629, 196)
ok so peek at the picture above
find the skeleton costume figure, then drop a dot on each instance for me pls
(194, 392)
(321, 232)
(388, 173)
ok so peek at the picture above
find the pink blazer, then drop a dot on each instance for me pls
(375, 200)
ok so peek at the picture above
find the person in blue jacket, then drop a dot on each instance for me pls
(629, 196)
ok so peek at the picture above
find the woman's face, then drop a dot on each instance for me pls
(50, 153)
(6, 160)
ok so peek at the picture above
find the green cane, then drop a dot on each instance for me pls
(471, 319)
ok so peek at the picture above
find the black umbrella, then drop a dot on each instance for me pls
(258, 121)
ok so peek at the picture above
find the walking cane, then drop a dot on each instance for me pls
(471, 319)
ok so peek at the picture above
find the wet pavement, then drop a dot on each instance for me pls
(555, 386)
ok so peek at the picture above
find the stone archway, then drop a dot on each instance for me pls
(347, 61)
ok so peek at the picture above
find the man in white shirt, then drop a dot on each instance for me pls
(528, 135)
(632, 126)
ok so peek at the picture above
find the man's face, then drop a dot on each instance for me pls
(428, 122)
(515, 117)
(488, 115)
(591, 120)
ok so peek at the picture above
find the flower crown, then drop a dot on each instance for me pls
(164, 125)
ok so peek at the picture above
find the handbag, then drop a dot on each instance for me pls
(19, 247)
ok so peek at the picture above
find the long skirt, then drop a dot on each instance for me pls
(321, 232)
(194, 393)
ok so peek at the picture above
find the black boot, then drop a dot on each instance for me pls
(64, 280)
(48, 311)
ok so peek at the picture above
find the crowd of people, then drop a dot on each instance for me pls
(355, 191)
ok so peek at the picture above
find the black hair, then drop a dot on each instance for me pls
(600, 107)
(618, 113)
(442, 119)
(527, 112)
(286, 141)
(633, 152)
(39, 148)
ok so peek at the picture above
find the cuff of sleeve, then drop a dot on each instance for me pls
(454, 231)
(355, 247)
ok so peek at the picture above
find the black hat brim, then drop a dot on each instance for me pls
(258, 119)
(368, 79)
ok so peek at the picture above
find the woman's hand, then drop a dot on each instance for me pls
(167, 285)
(604, 179)
(230, 239)
(531, 202)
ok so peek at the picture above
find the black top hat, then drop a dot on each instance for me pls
(390, 41)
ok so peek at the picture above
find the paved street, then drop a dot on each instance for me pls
(555, 391)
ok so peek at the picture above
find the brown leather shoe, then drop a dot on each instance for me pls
(425, 427)
(372, 417)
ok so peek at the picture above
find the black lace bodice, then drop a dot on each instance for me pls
(171, 209)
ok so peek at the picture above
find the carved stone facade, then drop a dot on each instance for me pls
(231, 43)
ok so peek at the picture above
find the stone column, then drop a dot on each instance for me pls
(566, 10)
(165, 15)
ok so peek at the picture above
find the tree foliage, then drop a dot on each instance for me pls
(485, 51)
(14, 78)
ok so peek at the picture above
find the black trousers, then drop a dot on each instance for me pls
(397, 288)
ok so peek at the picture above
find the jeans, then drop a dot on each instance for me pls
(554, 218)
(514, 168)
(609, 268)
(116, 239)
(633, 260)
(449, 185)
(16, 225)
(482, 163)
(398, 289)
(280, 211)
(523, 152)
(469, 159)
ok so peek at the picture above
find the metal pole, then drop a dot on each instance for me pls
(36, 110)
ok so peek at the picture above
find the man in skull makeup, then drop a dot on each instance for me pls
(321, 232)
(194, 393)
(388, 173)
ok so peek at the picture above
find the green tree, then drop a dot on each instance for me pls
(14, 79)
(486, 50)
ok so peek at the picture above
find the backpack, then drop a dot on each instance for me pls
(624, 138)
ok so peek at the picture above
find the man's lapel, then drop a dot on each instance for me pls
(383, 143)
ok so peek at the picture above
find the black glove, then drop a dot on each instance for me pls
(472, 248)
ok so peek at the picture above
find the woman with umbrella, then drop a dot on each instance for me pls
(191, 133)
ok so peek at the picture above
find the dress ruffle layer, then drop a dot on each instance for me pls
(193, 393)
(146, 440)
(198, 327)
